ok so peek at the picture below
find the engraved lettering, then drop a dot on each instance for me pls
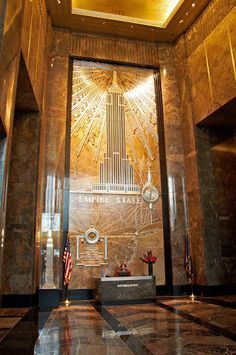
(127, 285)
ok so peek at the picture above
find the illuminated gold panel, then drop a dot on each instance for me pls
(149, 13)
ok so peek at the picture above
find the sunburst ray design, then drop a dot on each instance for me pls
(91, 82)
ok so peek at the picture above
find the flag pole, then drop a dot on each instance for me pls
(189, 265)
(188, 257)
(67, 268)
(67, 302)
(192, 294)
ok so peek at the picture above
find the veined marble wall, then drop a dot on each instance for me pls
(65, 44)
(201, 66)
(20, 34)
(2, 19)
(35, 34)
(18, 275)
(178, 203)
(205, 62)
(217, 170)
(209, 51)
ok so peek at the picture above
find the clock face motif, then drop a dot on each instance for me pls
(150, 194)
(91, 236)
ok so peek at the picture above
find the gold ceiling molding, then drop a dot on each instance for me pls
(149, 13)
(149, 21)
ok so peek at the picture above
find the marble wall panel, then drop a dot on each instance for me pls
(56, 113)
(200, 55)
(9, 60)
(192, 171)
(201, 84)
(52, 172)
(186, 103)
(214, 14)
(19, 249)
(221, 69)
(39, 70)
(2, 19)
(121, 50)
(217, 175)
(174, 159)
(19, 33)
(211, 63)
(230, 23)
(33, 42)
(26, 29)
(196, 235)
(34, 30)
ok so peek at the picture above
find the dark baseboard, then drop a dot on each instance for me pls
(198, 290)
(214, 290)
(49, 298)
(81, 294)
(17, 300)
(170, 290)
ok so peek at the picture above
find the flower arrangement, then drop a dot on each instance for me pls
(149, 258)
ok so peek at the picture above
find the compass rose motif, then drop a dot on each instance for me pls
(150, 193)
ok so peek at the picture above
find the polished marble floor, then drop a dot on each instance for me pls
(169, 326)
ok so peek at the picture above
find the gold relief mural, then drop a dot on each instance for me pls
(114, 167)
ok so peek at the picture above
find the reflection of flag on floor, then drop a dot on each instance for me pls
(188, 260)
(67, 261)
(67, 335)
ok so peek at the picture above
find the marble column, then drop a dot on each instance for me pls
(174, 160)
(54, 158)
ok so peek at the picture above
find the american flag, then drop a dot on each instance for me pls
(68, 262)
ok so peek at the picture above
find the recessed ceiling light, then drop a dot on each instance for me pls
(104, 22)
(181, 21)
(59, 1)
(187, 13)
(132, 26)
(193, 4)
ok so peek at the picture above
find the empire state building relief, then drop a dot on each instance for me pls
(116, 173)
(115, 183)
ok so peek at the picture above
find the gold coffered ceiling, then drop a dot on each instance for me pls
(150, 20)
(151, 13)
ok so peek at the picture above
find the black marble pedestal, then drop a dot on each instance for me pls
(128, 288)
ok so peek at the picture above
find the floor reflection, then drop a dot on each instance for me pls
(169, 326)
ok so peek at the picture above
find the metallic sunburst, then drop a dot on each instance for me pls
(91, 82)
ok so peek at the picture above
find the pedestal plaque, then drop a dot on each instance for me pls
(128, 288)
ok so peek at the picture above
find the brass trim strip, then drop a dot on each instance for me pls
(208, 71)
(231, 50)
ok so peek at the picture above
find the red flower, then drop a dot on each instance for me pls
(149, 258)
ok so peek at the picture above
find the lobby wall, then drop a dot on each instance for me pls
(205, 61)
(19, 250)
(23, 37)
(197, 76)
(66, 44)
(217, 172)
